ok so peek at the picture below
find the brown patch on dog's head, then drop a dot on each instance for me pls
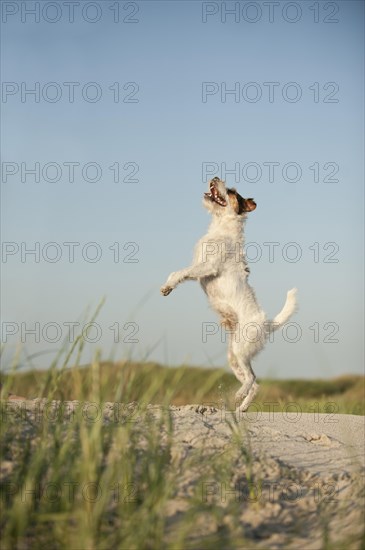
(239, 204)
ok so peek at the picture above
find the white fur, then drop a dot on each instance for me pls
(220, 266)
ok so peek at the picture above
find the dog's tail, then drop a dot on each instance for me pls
(287, 311)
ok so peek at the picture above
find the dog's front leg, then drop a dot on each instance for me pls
(190, 273)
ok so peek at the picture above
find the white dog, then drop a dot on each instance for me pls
(220, 267)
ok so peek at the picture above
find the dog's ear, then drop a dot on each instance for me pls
(239, 204)
(245, 205)
(249, 205)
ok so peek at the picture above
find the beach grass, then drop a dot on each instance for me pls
(70, 479)
(187, 384)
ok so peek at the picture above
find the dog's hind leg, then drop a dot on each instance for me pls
(242, 369)
(249, 397)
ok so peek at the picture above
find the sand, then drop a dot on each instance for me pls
(295, 479)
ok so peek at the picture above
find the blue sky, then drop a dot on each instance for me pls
(162, 134)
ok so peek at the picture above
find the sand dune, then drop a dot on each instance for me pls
(296, 478)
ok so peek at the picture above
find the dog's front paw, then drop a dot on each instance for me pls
(172, 281)
(165, 290)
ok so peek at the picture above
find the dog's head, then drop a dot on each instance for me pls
(221, 200)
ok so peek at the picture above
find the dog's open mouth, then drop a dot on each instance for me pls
(214, 195)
